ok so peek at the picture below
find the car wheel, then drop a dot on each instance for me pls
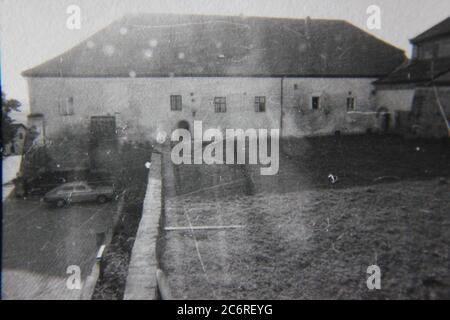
(101, 199)
(61, 203)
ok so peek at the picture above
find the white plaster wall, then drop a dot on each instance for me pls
(395, 99)
(142, 105)
(301, 120)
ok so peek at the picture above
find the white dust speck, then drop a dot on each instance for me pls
(181, 55)
(161, 137)
(132, 74)
(148, 165)
(108, 50)
(148, 53)
(302, 47)
(333, 179)
(153, 43)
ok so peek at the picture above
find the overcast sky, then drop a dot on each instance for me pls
(33, 31)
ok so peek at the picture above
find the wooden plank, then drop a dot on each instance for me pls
(203, 228)
(100, 252)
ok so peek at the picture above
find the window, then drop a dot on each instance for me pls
(415, 53)
(220, 104)
(315, 103)
(428, 51)
(398, 119)
(66, 108)
(427, 54)
(351, 103)
(260, 104)
(175, 103)
(444, 50)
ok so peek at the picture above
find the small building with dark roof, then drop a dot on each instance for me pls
(154, 73)
(416, 96)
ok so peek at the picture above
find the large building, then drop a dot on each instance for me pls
(152, 73)
(416, 96)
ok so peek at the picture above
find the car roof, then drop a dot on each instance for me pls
(74, 184)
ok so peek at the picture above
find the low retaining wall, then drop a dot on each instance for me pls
(141, 280)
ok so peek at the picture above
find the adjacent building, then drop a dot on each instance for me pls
(149, 74)
(415, 98)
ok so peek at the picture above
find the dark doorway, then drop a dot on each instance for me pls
(103, 141)
(183, 124)
(385, 121)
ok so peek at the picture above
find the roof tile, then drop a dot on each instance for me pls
(149, 45)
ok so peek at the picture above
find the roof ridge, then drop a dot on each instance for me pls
(146, 14)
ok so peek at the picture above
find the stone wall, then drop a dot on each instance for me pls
(141, 281)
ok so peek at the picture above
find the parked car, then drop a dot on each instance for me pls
(43, 182)
(79, 191)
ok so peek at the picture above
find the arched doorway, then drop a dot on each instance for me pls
(183, 124)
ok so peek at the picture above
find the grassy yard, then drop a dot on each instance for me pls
(305, 238)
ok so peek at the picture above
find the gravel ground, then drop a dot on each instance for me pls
(304, 238)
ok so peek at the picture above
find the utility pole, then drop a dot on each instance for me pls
(281, 113)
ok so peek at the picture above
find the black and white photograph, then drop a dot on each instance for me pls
(248, 150)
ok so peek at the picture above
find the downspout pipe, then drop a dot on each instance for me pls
(281, 106)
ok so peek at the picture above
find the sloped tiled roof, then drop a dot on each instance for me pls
(150, 45)
(441, 29)
(418, 72)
